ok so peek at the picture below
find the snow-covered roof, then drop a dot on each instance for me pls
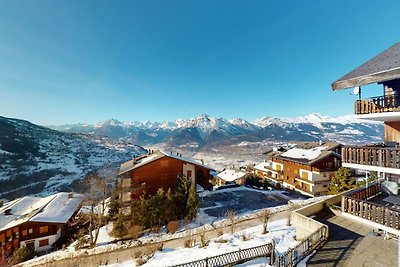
(56, 208)
(60, 209)
(262, 166)
(231, 175)
(136, 163)
(307, 152)
(301, 153)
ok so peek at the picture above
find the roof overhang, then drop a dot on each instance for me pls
(367, 79)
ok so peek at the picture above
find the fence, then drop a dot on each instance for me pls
(234, 257)
(287, 259)
(296, 254)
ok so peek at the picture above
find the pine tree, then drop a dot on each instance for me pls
(193, 203)
(181, 196)
(170, 211)
(114, 205)
(342, 181)
(119, 228)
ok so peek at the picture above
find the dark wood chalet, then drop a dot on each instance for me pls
(36, 222)
(159, 169)
(383, 69)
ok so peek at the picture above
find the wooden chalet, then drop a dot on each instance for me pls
(306, 167)
(371, 204)
(383, 69)
(230, 176)
(36, 222)
(159, 169)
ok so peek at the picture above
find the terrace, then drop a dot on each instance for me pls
(369, 205)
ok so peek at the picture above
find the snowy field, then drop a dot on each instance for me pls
(283, 235)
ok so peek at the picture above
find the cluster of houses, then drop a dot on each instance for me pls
(305, 167)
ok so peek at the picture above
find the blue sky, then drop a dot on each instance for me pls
(88, 61)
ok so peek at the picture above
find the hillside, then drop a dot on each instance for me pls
(35, 159)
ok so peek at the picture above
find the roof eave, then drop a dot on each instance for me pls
(367, 79)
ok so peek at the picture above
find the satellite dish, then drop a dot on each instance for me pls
(357, 90)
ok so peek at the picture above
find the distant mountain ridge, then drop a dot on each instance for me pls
(206, 131)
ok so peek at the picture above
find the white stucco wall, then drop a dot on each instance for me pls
(52, 240)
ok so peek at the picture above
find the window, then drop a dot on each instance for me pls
(24, 232)
(43, 229)
(43, 243)
(30, 231)
(189, 174)
(164, 163)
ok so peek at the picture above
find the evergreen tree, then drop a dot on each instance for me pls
(115, 204)
(181, 196)
(119, 227)
(342, 181)
(193, 203)
(170, 212)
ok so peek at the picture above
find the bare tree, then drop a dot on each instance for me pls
(230, 214)
(264, 216)
(97, 191)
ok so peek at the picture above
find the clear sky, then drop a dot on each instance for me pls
(88, 61)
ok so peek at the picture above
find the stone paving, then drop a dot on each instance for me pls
(352, 244)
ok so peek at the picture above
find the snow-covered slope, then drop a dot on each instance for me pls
(206, 131)
(36, 159)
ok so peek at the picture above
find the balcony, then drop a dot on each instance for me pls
(382, 108)
(372, 158)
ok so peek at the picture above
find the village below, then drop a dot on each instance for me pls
(78, 189)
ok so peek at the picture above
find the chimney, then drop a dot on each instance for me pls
(320, 142)
(70, 195)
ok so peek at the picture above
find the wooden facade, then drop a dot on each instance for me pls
(35, 235)
(162, 173)
(310, 179)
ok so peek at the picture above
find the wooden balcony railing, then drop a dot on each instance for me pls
(355, 203)
(388, 157)
(377, 104)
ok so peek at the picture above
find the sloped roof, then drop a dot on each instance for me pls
(307, 153)
(231, 175)
(383, 67)
(138, 162)
(56, 208)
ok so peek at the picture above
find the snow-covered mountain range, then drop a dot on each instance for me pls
(36, 159)
(205, 131)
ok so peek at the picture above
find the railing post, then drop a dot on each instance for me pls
(272, 253)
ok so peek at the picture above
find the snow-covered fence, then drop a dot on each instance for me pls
(294, 255)
(235, 257)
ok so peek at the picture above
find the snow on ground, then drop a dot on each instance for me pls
(283, 235)
(259, 262)
(104, 235)
(202, 222)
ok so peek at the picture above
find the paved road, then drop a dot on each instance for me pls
(352, 244)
